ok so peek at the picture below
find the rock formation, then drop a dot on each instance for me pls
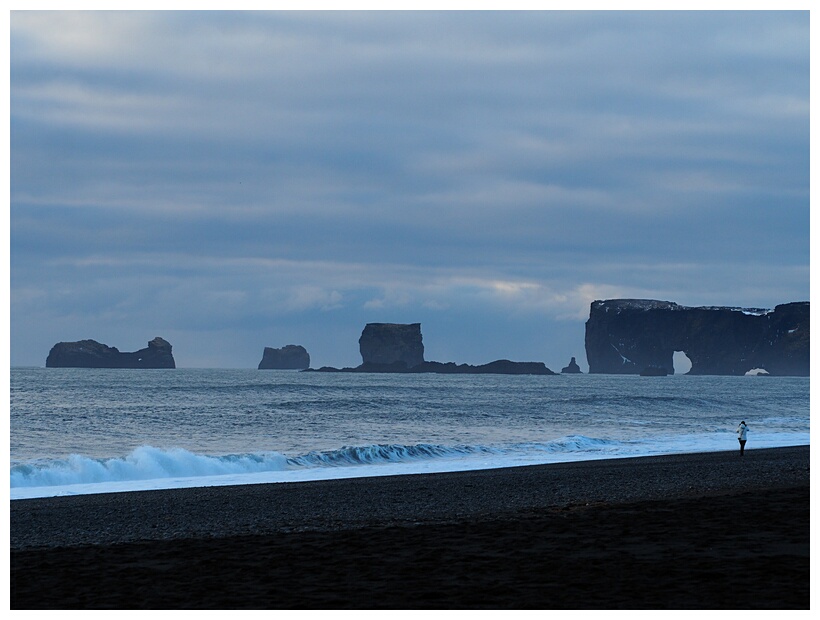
(92, 354)
(391, 343)
(627, 336)
(398, 348)
(498, 367)
(571, 368)
(289, 357)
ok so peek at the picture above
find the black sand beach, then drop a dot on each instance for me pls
(708, 531)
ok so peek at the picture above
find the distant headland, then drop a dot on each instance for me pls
(92, 354)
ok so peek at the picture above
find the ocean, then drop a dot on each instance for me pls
(79, 431)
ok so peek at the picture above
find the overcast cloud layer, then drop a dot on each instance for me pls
(231, 181)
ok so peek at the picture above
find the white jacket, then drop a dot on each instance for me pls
(741, 432)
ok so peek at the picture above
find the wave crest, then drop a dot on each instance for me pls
(144, 463)
(384, 453)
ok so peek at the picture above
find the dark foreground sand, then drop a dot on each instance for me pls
(685, 531)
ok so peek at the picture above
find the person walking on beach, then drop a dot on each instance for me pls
(742, 429)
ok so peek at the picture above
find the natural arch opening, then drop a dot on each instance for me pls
(681, 363)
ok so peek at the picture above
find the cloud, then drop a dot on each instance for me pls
(308, 297)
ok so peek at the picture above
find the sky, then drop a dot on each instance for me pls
(236, 180)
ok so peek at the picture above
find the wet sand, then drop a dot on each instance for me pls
(707, 531)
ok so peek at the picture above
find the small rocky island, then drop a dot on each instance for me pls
(398, 348)
(289, 357)
(92, 354)
(637, 336)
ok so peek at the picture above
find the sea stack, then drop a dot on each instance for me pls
(392, 344)
(289, 357)
(92, 354)
(571, 368)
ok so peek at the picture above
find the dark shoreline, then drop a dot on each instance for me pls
(709, 530)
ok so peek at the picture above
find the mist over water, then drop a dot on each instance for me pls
(90, 431)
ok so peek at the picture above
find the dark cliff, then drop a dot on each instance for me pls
(92, 354)
(627, 336)
(289, 357)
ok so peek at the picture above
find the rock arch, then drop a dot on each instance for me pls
(625, 336)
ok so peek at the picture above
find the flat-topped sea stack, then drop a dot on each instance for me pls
(289, 357)
(92, 354)
(392, 343)
(630, 336)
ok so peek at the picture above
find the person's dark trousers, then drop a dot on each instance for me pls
(742, 443)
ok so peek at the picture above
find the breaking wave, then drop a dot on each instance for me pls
(144, 463)
(150, 463)
(392, 453)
